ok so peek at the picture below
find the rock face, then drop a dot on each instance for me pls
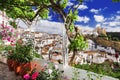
(107, 43)
(5, 74)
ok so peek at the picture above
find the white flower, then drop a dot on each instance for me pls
(56, 66)
(50, 71)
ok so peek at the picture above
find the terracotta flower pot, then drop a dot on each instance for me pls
(25, 68)
(17, 67)
(10, 63)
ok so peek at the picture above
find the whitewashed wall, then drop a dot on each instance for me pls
(68, 71)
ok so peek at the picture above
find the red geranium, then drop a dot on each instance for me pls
(34, 75)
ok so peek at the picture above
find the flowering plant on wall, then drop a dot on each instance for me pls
(7, 33)
(49, 71)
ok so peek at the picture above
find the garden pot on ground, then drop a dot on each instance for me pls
(10, 63)
(25, 68)
(17, 67)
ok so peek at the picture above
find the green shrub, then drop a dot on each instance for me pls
(104, 69)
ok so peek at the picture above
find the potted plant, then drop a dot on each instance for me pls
(11, 56)
(9, 49)
(11, 61)
(24, 56)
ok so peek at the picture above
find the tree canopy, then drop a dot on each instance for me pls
(29, 10)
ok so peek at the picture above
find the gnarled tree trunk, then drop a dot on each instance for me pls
(73, 56)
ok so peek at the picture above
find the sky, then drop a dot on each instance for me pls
(92, 14)
(95, 13)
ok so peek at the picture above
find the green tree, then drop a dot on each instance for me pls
(24, 10)
(77, 44)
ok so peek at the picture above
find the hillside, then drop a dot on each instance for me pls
(114, 34)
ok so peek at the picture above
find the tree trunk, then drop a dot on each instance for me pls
(73, 56)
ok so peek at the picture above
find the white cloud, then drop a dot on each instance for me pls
(69, 4)
(114, 18)
(104, 8)
(99, 18)
(82, 7)
(98, 25)
(49, 27)
(113, 21)
(111, 18)
(83, 19)
(113, 29)
(95, 11)
(118, 12)
(85, 28)
(111, 24)
(46, 26)
(49, 17)
(117, 18)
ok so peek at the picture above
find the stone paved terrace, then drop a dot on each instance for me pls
(5, 74)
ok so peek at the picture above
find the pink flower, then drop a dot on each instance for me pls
(8, 39)
(12, 44)
(12, 37)
(8, 27)
(2, 25)
(12, 41)
(12, 30)
(27, 76)
(3, 32)
(3, 38)
(34, 75)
